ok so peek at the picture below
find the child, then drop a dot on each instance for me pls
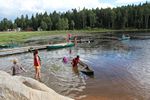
(65, 60)
(69, 37)
(16, 69)
(77, 61)
(37, 65)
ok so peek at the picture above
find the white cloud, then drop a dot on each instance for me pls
(130, 1)
(17, 7)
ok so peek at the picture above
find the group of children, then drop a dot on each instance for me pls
(75, 63)
(17, 69)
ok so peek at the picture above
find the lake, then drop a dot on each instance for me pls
(121, 70)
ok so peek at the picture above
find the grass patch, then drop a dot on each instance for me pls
(7, 37)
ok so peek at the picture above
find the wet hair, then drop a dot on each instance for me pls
(35, 52)
(14, 61)
(78, 56)
(65, 60)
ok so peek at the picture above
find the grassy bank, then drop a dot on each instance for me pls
(6, 37)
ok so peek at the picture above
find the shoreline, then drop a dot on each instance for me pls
(25, 88)
(20, 37)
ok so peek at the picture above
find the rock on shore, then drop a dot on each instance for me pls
(23, 88)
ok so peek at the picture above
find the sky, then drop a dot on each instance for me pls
(11, 9)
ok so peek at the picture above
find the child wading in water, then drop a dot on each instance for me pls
(75, 63)
(37, 65)
(16, 69)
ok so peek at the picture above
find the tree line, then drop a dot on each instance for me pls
(130, 16)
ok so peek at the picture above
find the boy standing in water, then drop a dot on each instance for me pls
(16, 69)
(68, 37)
(37, 65)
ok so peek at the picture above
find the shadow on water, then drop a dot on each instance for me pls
(121, 70)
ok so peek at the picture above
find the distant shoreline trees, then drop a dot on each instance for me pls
(131, 16)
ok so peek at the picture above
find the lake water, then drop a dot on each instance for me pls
(121, 70)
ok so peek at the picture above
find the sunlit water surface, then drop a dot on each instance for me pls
(121, 70)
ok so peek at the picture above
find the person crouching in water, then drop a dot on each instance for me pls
(65, 60)
(75, 63)
(37, 65)
(16, 69)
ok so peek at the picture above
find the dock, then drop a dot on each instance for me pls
(20, 50)
(140, 37)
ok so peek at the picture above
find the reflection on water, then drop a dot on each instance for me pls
(121, 70)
